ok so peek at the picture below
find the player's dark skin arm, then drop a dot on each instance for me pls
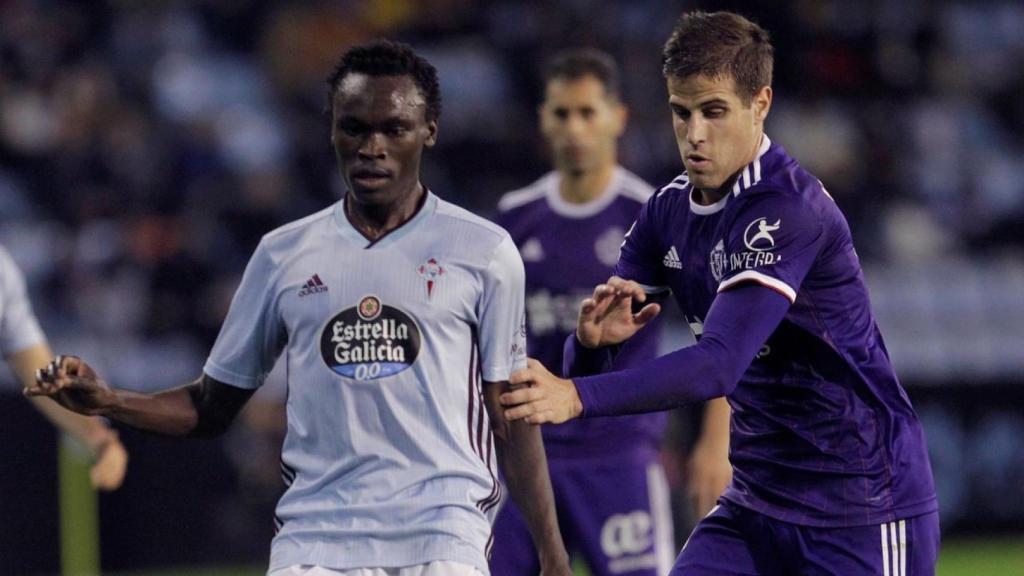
(203, 408)
(525, 469)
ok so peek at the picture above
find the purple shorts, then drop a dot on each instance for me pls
(736, 541)
(614, 514)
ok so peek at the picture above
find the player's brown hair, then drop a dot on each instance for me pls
(577, 63)
(717, 45)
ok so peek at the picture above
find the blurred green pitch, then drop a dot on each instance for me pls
(1003, 556)
(997, 556)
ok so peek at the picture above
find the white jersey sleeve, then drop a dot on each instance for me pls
(502, 329)
(252, 335)
(19, 329)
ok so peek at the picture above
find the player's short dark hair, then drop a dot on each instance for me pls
(720, 44)
(388, 58)
(581, 62)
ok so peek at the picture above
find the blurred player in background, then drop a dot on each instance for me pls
(831, 472)
(609, 485)
(24, 347)
(401, 318)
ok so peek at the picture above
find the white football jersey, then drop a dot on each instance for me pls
(388, 459)
(19, 328)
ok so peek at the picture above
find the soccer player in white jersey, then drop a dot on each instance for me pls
(609, 484)
(24, 347)
(401, 319)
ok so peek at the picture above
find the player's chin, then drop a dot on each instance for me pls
(705, 181)
(369, 191)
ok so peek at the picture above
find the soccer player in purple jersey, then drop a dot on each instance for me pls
(830, 467)
(608, 482)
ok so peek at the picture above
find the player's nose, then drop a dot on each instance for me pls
(696, 130)
(373, 146)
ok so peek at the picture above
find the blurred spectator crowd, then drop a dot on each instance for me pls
(146, 146)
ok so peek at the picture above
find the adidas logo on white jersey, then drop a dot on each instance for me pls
(313, 286)
(672, 259)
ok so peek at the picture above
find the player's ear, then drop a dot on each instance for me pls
(431, 134)
(762, 103)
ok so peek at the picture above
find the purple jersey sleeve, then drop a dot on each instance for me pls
(639, 257)
(773, 241)
(578, 360)
(732, 336)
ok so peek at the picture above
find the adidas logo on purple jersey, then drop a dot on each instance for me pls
(313, 286)
(671, 259)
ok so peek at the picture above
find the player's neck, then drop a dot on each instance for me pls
(374, 221)
(583, 187)
(709, 197)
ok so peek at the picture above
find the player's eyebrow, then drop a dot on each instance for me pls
(714, 102)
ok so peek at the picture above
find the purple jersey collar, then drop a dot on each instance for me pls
(749, 176)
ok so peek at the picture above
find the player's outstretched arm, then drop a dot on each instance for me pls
(537, 396)
(740, 320)
(203, 408)
(525, 469)
(110, 458)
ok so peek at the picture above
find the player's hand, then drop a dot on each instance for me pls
(111, 461)
(607, 318)
(74, 385)
(709, 475)
(541, 397)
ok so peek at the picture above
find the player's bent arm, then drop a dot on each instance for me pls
(740, 321)
(202, 408)
(216, 405)
(525, 469)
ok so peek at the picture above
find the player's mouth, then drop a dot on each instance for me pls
(575, 153)
(370, 176)
(697, 162)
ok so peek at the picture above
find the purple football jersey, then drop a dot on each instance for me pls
(567, 250)
(822, 433)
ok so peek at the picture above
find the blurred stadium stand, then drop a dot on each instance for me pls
(146, 146)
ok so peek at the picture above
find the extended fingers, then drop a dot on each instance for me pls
(603, 292)
(541, 417)
(628, 288)
(47, 381)
(38, 389)
(647, 313)
(531, 412)
(520, 396)
(587, 305)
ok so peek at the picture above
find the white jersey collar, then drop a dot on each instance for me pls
(348, 231)
(749, 176)
(587, 209)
